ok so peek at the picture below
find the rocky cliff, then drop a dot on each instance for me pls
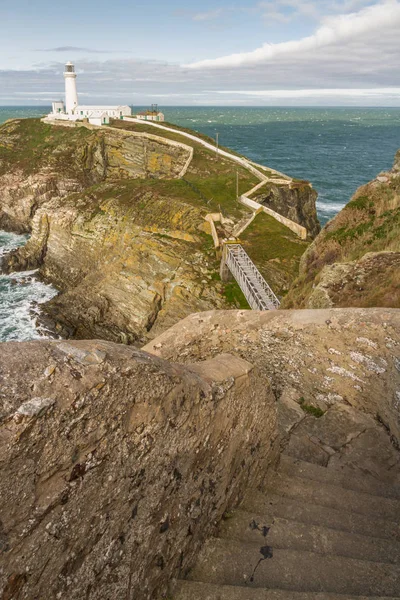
(355, 260)
(117, 222)
(115, 465)
(295, 201)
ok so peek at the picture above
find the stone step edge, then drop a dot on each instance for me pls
(292, 461)
(318, 484)
(241, 511)
(253, 545)
(265, 499)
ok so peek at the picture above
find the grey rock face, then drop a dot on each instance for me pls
(115, 465)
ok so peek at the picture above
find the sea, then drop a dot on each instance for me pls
(337, 149)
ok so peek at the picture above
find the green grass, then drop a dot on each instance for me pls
(343, 234)
(235, 296)
(36, 143)
(311, 410)
(361, 203)
(210, 180)
(228, 515)
(275, 250)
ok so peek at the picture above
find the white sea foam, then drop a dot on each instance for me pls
(330, 207)
(21, 295)
(10, 241)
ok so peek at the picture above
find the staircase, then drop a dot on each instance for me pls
(315, 533)
(258, 293)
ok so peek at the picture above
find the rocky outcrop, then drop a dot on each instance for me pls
(125, 257)
(115, 465)
(354, 261)
(315, 359)
(296, 201)
(40, 162)
(327, 522)
(359, 282)
(123, 269)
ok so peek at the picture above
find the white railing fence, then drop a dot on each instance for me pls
(258, 293)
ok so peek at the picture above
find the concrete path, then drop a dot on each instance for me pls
(242, 161)
(247, 164)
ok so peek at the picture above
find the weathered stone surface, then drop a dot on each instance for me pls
(309, 449)
(289, 411)
(371, 452)
(317, 439)
(115, 465)
(358, 283)
(330, 357)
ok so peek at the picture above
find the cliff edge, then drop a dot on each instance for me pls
(355, 260)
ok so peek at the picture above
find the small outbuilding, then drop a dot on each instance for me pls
(99, 119)
(58, 107)
(150, 115)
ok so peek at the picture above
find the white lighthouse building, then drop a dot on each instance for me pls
(71, 95)
(72, 111)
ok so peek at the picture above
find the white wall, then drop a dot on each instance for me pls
(71, 96)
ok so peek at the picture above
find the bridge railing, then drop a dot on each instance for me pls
(258, 293)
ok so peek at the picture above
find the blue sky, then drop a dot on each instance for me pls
(292, 52)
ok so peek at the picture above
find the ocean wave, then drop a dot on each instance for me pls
(330, 207)
(10, 241)
(21, 295)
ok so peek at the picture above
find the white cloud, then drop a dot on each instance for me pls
(333, 31)
(393, 92)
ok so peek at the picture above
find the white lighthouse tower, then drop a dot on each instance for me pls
(71, 111)
(71, 96)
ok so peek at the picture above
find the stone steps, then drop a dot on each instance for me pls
(315, 533)
(286, 533)
(227, 562)
(196, 590)
(336, 497)
(312, 514)
(345, 478)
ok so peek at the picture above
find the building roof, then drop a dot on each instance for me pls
(90, 107)
(150, 112)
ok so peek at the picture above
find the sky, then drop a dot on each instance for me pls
(272, 53)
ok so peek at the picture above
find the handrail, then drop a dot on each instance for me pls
(258, 293)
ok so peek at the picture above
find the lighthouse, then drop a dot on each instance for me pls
(71, 96)
(71, 111)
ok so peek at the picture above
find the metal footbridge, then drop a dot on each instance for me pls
(256, 290)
